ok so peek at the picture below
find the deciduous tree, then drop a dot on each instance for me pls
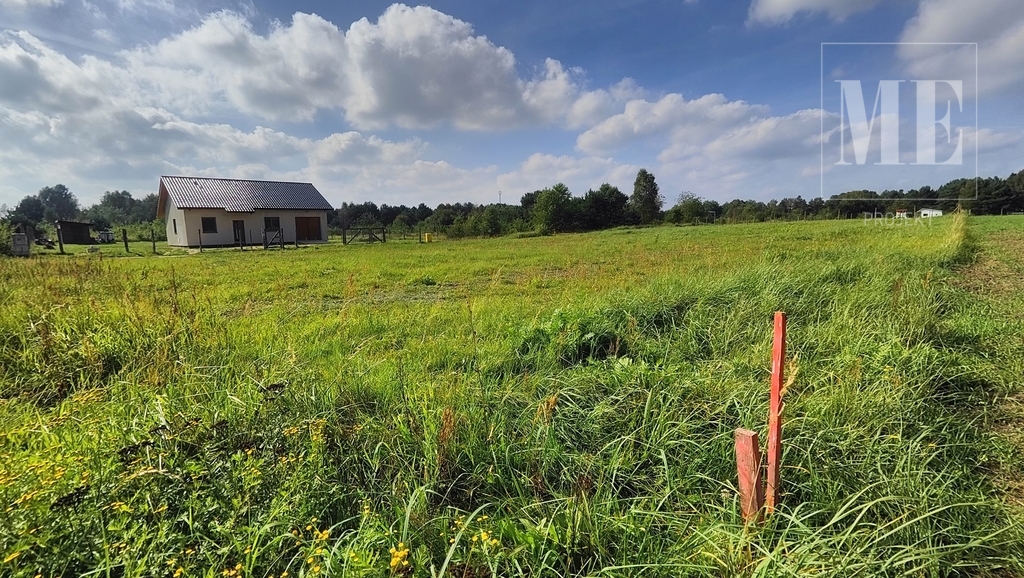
(646, 201)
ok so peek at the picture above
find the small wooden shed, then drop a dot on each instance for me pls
(74, 232)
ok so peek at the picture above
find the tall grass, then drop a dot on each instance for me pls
(540, 407)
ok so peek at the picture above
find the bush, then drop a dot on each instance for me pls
(142, 231)
(5, 239)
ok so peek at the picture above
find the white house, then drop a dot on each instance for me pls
(223, 212)
(930, 213)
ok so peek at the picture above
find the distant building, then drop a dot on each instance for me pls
(224, 212)
(930, 213)
(74, 232)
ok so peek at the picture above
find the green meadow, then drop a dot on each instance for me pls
(546, 406)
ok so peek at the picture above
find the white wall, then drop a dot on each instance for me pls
(175, 218)
(191, 222)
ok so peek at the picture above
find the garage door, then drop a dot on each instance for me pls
(308, 229)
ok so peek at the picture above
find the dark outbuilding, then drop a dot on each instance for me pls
(74, 232)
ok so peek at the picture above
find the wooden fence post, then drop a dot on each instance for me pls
(60, 238)
(152, 239)
(748, 473)
(124, 236)
(200, 240)
(775, 406)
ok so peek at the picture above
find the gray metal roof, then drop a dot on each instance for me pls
(242, 196)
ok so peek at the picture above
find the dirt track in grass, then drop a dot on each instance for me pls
(997, 277)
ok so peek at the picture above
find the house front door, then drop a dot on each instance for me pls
(239, 229)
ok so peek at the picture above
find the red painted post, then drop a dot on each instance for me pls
(775, 406)
(748, 473)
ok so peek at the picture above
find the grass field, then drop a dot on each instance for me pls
(551, 406)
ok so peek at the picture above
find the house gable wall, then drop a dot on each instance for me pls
(177, 232)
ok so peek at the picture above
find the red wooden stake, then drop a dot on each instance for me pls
(748, 472)
(775, 413)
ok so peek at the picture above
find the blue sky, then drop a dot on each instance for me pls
(455, 101)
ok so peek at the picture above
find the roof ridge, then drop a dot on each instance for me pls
(240, 180)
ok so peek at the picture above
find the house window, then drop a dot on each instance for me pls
(271, 223)
(174, 222)
(209, 224)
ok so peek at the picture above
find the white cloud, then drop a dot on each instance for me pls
(286, 75)
(996, 25)
(543, 170)
(782, 11)
(771, 138)
(23, 4)
(596, 105)
(417, 67)
(689, 123)
(104, 34)
(412, 68)
(988, 140)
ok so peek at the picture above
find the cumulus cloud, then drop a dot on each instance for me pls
(65, 112)
(417, 67)
(782, 11)
(771, 138)
(412, 68)
(687, 122)
(286, 75)
(996, 25)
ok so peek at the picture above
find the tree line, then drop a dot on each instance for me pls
(115, 209)
(555, 209)
(546, 211)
